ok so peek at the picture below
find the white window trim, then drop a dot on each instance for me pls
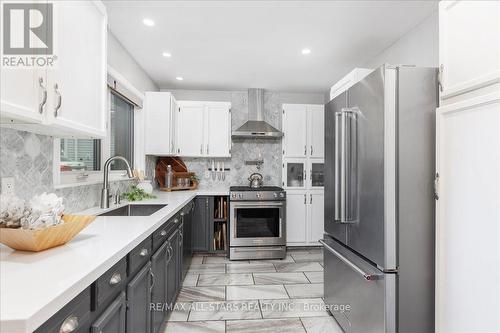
(71, 178)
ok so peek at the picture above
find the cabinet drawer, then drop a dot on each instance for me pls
(110, 283)
(74, 317)
(161, 235)
(139, 256)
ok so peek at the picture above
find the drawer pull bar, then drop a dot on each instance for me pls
(116, 278)
(144, 252)
(367, 276)
(69, 324)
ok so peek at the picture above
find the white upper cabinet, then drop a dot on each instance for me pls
(316, 130)
(204, 129)
(77, 85)
(67, 99)
(218, 140)
(353, 77)
(295, 130)
(303, 128)
(191, 126)
(160, 111)
(469, 48)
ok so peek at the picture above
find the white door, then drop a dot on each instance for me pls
(77, 84)
(468, 216)
(469, 47)
(294, 173)
(295, 130)
(316, 213)
(296, 217)
(22, 89)
(316, 130)
(190, 129)
(218, 138)
(157, 109)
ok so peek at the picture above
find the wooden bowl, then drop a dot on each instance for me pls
(43, 239)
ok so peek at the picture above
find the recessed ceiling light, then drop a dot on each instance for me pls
(306, 51)
(166, 54)
(179, 78)
(148, 22)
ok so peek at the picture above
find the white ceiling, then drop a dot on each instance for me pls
(233, 45)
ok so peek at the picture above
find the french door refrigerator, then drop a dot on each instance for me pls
(379, 202)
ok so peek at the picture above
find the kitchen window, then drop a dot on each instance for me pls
(82, 160)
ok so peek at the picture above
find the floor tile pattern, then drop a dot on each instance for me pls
(253, 296)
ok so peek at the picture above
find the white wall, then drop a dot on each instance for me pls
(418, 47)
(122, 61)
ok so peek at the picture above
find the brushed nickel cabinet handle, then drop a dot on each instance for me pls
(305, 150)
(70, 324)
(116, 278)
(44, 93)
(59, 100)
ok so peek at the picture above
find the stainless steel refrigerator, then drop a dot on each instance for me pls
(379, 202)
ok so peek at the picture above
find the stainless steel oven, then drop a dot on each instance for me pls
(257, 224)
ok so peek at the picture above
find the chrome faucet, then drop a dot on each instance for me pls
(105, 186)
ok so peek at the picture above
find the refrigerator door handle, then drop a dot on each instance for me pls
(366, 275)
(338, 145)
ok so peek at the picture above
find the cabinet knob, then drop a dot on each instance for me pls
(116, 278)
(182, 214)
(69, 324)
(176, 220)
(163, 233)
(144, 252)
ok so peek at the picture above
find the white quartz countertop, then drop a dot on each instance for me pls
(34, 286)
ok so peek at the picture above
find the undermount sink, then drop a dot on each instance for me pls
(134, 210)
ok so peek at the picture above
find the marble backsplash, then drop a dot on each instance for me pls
(28, 158)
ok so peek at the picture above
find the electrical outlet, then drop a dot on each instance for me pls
(8, 185)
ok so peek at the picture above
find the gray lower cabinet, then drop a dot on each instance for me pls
(139, 300)
(112, 320)
(159, 289)
(187, 238)
(200, 223)
(173, 267)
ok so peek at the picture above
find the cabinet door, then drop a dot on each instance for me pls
(180, 257)
(295, 130)
(315, 216)
(159, 288)
(296, 217)
(138, 301)
(172, 266)
(190, 127)
(200, 224)
(187, 231)
(294, 173)
(469, 45)
(22, 89)
(112, 320)
(467, 225)
(77, 83)
(218, 130)
(158, 123)
(316, 170)
(316, 130)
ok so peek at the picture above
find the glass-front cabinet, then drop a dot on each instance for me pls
(294, 174)
(316, 174)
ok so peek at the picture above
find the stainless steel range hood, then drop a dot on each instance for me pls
(256, 127)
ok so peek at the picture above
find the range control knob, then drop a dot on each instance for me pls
(258, 195)
(233, 195)
(282, 195)
(275, 194)
(240, 196)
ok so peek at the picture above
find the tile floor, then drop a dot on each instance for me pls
(253, 296)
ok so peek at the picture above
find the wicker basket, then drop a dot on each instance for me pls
(43, 239)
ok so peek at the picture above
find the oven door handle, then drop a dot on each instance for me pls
(257, 204)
